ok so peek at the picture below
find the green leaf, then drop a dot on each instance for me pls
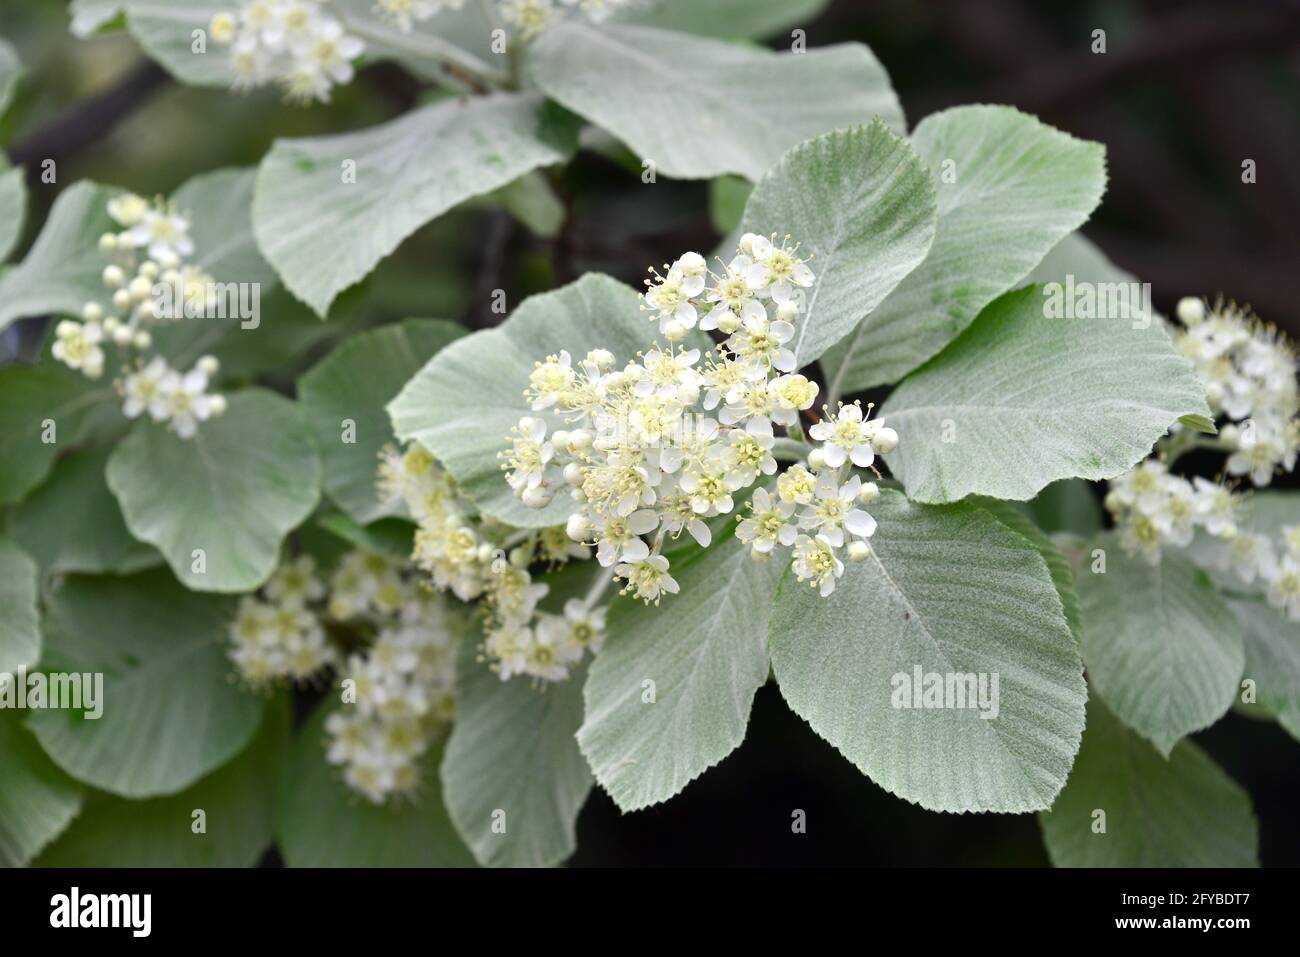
(948, 591)
(742, 19)
(352, 385)
(171, 712)
(89, 16)
(1008, 188)
(1066, 506)
(531, 200)
(323, 232)
(11, 70)
(320, 822)
(13, 208)
(237, 801)
(1061, 571)
(234, 490)
(512, 751)
(1162, 647)
(462, 405)
(63, 270)
(72, 523)
(727, 198)
(861, 206)
(699, 108)
(1022, 399)
(20, 626)
(220, 206)
(40, 402)
(1174, 811)
(1272, 644)
(37, 800)
(705, 650)
(165, 28)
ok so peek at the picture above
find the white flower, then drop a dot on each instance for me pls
(832, 511)
(768, 524)
(1284, 587)
(76, 345)
(647, 579)
(141, 389)
(550, 380)
(815, 562)
(164, 232)
(847, 437)
(184, 400)
(529, 455)
(619, 539)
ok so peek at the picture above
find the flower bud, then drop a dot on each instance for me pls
(885, 441)
(110, 325)
(728, 321)
(858, 550)
(484, 553)
(573, 473)
(601, 358)
(139, 288)
(107, 243)
(122, 300)
(579, 439)
(578, 528)
(816, 460)
(535, 497)
(223, 28)
(560, 439)
(217, 404)
(674, 331)
(788, 311)
(208, 365)
(868, 493)
(168, 259)
(113, 276)
(66, 328)
(92, 312)
(148, 269)
(142, 340)
(123, 335)
(1190, 310)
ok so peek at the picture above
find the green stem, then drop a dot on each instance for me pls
(599, 585)
(425, 46)
(789, 450)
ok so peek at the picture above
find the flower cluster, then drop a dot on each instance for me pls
(294, 43)
(278, 636)
(526, 17)
(150, 282)
(1250, 375)
(662, 444)
(1249, 372)
(476, 558)
(1154, 508)
(397, 691)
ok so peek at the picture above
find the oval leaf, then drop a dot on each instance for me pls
(947, 592)
(705, 652)
(1163, 649)
(1022, 399)
(170, 712)
(696, 108)
(1174, 811)
(219, 504)
(328, 209)
(861, 206)
(1008, 188)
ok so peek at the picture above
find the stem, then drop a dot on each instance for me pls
(599, 585)
(789, 450)
(456, 63)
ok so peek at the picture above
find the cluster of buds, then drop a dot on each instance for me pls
(475, 558)
(150, 282)
(396, 693)
(294, 43)
(660, 445)
(1257, 557)
(1249, 371)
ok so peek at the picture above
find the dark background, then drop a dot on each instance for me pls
(1185, 92)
